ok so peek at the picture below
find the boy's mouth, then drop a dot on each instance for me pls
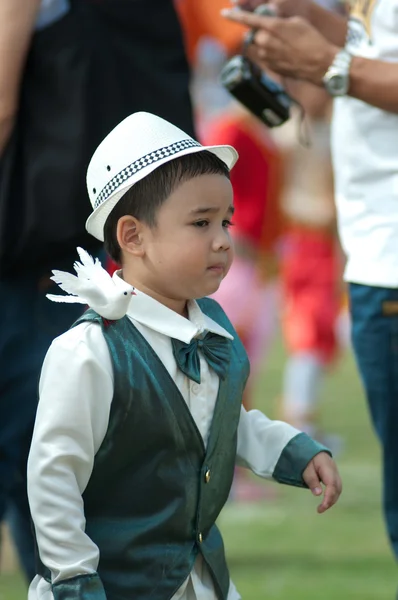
(217, 268)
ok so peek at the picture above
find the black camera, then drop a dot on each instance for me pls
(261, 95)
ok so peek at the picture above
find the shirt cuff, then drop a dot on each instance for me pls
(294, 459)
(81, 587)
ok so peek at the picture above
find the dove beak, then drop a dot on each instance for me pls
(133, 294)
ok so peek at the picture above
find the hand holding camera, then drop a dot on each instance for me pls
(261, 95)
(283, 8)
(291, 47)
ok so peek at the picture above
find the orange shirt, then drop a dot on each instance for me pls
(202, 18)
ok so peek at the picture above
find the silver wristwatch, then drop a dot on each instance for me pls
(337, 78)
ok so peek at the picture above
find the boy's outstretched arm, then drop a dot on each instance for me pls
(276, 450)
(69, 430)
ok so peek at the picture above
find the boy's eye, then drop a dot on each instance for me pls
(227, 224)
(203, 223)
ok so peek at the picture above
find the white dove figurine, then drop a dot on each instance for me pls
(95, 287)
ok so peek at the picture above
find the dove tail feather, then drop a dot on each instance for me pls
(67, 299)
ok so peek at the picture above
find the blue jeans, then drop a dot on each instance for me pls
(375, 340)
(28, 324)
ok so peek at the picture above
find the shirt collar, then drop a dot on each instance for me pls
(148, 311)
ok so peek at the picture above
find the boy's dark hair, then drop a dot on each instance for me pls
(146, 196)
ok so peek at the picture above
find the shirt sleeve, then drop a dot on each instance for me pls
(273, 449)
(76, 390)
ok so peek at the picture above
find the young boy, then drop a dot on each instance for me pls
(140, 421)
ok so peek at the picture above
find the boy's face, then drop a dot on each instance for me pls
(189, 251)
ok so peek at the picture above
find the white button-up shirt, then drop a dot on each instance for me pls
(76, 391)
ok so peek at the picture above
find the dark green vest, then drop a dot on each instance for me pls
(155, 492)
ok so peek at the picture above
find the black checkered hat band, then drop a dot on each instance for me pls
(139, 164)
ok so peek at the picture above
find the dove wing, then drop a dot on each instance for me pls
(67, 299)
(86, 258)
(92, 269)
(67, 282)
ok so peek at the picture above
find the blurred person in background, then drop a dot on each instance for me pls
(70, 70)
(311, 263)
(249, 293)
(356, 60)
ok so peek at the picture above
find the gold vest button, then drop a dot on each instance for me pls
(200, 538)
(207, 476)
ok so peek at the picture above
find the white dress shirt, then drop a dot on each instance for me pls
(76, 390)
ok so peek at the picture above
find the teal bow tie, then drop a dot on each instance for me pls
(216, 350)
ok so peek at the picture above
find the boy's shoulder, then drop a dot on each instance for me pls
(81, 347)
(84, 333)
(89, 316)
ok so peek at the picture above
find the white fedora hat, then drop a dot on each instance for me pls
(135, 148)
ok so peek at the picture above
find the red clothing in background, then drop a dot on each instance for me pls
(256, 178)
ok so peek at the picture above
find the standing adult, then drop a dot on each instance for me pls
(356, 60)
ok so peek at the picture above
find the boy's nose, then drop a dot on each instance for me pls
(223, 240)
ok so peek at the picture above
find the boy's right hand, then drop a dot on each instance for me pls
(283, 8)
(323, 469)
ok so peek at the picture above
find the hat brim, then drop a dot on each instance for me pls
(96, 221)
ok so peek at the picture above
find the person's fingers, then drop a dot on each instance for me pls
(248, 4)
(312, 480)
(261, 41)
(252, 54)
(330, 498)
(262, 38)
(327, 472)
(251, 19)
(333, 486)
(271, 51)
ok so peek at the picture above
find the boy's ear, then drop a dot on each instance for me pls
(129, 235)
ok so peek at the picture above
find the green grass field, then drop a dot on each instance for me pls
(282, 549)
